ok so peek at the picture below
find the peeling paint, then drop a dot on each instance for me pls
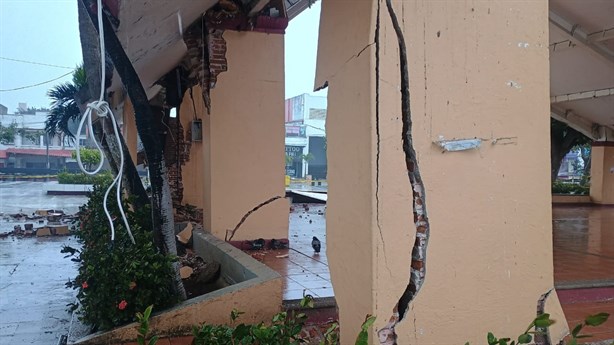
(523, 45)
(513, 84)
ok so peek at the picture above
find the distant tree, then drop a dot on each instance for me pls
(308, 157)
(562, 139)
(89, 157)
(30, 110)
(64, 108)
(7, 134)
(289, 160)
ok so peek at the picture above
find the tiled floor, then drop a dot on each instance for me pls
(579, 303)
(583, 245)
(304, 271)
(583, 257)
(583, 252)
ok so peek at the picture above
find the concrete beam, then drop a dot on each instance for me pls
(298, 6)
(592, 130)
(578, 35)
(255, 6)
(576, 96)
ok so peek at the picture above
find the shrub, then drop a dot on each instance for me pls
(284, 329)
(117, 279)
(570, 188)
(103, 178)
(541, 324)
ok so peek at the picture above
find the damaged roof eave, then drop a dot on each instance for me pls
(151, 33)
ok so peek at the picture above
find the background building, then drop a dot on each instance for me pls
(305, 118)
(24, 145)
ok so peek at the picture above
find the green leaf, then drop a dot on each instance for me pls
(576, 330)
(368, 322)
(543, 320)
(363, 336)
(573, 341)
(153, 340)
(491, 339)
(235, 313)
(524, 338)
(597, 319)
(307, 301)
(147, 312)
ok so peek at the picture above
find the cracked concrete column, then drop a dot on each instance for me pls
(240, 162)
(602, 172)
(476, 70)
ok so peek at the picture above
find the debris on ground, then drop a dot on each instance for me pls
(199, 277)
(52, 223)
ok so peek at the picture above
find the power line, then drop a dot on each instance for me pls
(35, 63)
(34, 85)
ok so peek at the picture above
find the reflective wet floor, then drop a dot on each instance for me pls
(583, 240)
(33, 297)
(303, 270)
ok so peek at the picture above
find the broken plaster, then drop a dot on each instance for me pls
(542, 335)
(387, 335)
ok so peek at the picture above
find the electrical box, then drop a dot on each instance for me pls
(197, 130)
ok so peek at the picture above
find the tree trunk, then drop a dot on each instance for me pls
(91, 63)
(161, 201)
(559, 148)
(555, 159)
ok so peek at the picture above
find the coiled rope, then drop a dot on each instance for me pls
(101, 109)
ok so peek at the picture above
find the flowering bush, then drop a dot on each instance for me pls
(117, 279)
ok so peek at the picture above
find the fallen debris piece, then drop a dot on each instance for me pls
(43, 232)
(186, 234)
(186, 272)
(282, 256)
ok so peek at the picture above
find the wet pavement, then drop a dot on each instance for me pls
(583, 238)
(33, 297)
(27, 197)
(303, 271)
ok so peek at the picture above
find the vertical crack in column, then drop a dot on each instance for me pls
(387, 335)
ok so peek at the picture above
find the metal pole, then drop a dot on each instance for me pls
(47, 142)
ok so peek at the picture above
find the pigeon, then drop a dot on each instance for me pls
(315, 243)
(258, 244)
(277, 244)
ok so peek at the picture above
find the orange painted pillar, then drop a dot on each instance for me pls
(602, 172)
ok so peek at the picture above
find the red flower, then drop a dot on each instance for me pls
(84, 285)
(122, 305)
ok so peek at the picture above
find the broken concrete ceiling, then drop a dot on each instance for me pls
(582, 65)
(151, 32)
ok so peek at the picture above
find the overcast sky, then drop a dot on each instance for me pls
(43, 31)
(46, 31)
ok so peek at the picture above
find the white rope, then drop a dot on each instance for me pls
(101, 108)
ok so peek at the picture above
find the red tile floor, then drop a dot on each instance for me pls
(583, 246)
(584, 264)
(304, 271)
(583, 257)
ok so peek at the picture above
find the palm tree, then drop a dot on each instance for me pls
(66, 110)
(64, 107)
